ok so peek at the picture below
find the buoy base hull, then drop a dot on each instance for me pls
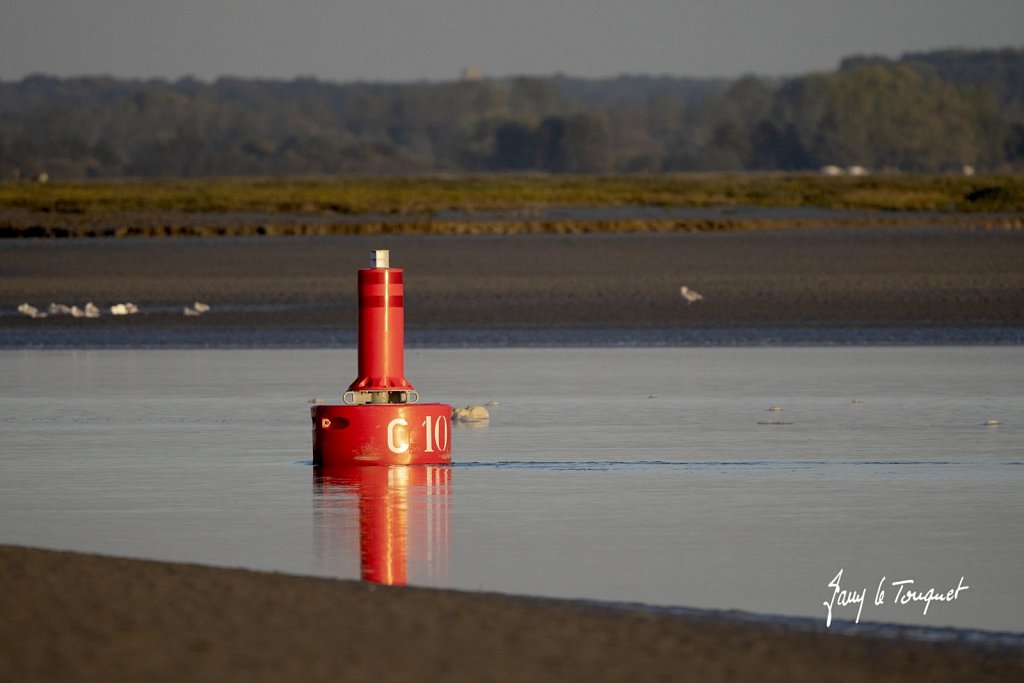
(385, 434)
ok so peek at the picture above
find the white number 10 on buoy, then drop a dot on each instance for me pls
(435, 431)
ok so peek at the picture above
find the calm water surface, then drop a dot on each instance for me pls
(639, 475)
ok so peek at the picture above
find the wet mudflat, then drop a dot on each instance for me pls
(282, 291)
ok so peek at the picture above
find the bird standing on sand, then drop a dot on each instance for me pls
(30, 310)
(690, 295)
(196, 309)
(124, 309)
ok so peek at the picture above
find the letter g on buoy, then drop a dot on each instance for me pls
(392, 432)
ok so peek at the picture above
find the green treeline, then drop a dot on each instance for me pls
(930, 112)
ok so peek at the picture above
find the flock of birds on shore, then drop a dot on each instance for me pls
(91, 310)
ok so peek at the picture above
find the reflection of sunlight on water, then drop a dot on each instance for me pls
(402, 516)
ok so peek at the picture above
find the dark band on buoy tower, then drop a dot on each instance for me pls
(381, 421)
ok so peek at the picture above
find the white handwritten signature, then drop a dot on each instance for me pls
(905, 594)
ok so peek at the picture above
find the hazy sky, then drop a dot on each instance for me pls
(401, 40)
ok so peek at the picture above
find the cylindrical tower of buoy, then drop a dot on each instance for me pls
(381, 328)
(381, 421)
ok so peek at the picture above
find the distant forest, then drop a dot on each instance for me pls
(928, 112)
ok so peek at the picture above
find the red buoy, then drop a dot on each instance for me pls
(381, 421)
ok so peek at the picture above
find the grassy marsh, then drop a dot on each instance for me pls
(428, 195)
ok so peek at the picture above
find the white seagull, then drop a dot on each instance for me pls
(196, 309)
(30, 310)
(690, 295)
(59, 309)
(127, 308)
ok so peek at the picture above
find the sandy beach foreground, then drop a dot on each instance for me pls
(69, 617)
(802, 278)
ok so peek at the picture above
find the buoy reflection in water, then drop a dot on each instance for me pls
(402, 513)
